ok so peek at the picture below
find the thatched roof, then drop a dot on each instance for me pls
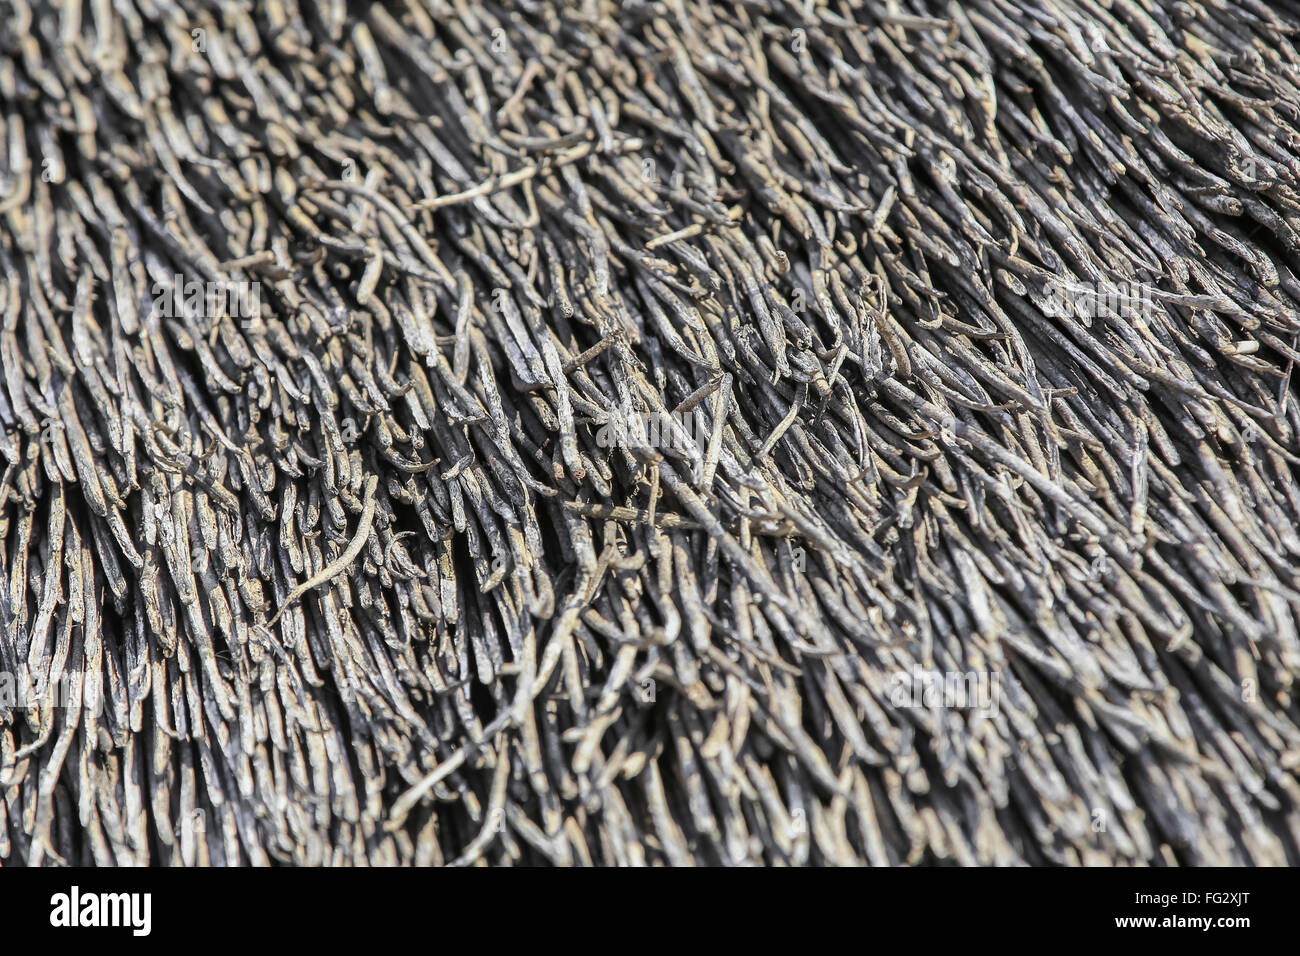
(786, 432)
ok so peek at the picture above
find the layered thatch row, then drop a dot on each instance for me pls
(806, 432)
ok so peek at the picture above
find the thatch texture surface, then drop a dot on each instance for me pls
(686, 432)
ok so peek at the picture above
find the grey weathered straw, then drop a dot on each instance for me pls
(686, 432)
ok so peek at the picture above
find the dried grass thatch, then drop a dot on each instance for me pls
(964, 333)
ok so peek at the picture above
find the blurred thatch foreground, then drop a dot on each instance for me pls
(786, 432)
